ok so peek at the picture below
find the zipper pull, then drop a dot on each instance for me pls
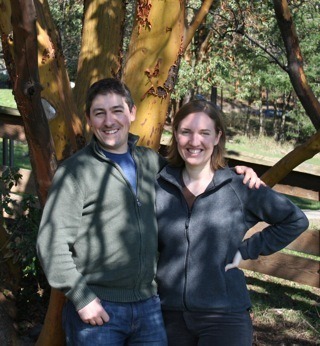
(139, 203)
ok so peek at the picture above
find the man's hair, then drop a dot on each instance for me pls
(108, 86)
(196, 106)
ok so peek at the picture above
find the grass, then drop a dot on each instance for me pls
(304, 203)
(284, 312)
(21, 154)
(7, 99)
(264, 146)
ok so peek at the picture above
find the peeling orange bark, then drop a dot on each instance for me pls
(154, 56)
(27, 90)
(65, 125)
(101, 48)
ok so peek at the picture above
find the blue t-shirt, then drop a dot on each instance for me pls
(127, 164)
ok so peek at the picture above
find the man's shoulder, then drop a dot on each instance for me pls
(146, 151)
(81, 158)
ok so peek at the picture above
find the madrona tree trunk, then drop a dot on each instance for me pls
(159, 39)
(27, 90)
(56, 94)
(101, 47)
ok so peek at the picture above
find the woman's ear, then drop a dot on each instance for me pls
(217, 139)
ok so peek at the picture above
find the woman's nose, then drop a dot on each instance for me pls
(194, 139)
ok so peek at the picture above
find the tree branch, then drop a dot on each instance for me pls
(197, 20)
(295, 62)
(297, 156)
(27, 91)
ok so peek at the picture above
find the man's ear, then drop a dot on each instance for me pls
(133, 113)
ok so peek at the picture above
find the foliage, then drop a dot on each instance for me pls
(22, 227)
(21, 157)
(8, 179)
(67, 15)
(239, 49)
(31, 295)
(299, 129)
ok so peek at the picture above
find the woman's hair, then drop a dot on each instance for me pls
(195, 106)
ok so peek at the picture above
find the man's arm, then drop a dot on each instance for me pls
(57, 232)
(249, 176)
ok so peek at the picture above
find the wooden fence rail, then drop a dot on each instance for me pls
(290, 266)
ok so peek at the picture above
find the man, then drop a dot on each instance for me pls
(97, 240)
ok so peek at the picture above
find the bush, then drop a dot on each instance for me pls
(22, 229)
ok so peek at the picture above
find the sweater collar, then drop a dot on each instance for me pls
(173, 175)
(132, 143)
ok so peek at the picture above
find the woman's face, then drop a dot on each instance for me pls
(196, 138)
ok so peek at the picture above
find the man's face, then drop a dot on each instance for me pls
(110, 120)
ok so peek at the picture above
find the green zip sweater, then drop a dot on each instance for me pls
(96, 237)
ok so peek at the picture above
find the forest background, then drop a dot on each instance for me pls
(259, 57)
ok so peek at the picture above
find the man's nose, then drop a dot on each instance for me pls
(108, 119)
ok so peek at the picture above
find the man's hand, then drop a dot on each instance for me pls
(94, 313)
(236, 261)
(249, 176)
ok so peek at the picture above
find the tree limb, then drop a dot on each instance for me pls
(297, 156)
(197, 20)
(295, 62)
(27, 91)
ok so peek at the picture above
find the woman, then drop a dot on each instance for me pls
(204, 211)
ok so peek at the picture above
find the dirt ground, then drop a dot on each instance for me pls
(22, 312)
(21, 322)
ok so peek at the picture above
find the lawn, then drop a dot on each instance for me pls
(7, 98)
(264, 146)
(21, 154)
(284, 312)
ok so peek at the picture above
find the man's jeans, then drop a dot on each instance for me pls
(130, 324)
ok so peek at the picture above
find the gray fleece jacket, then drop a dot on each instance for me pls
(97, 238)
(195, 245)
